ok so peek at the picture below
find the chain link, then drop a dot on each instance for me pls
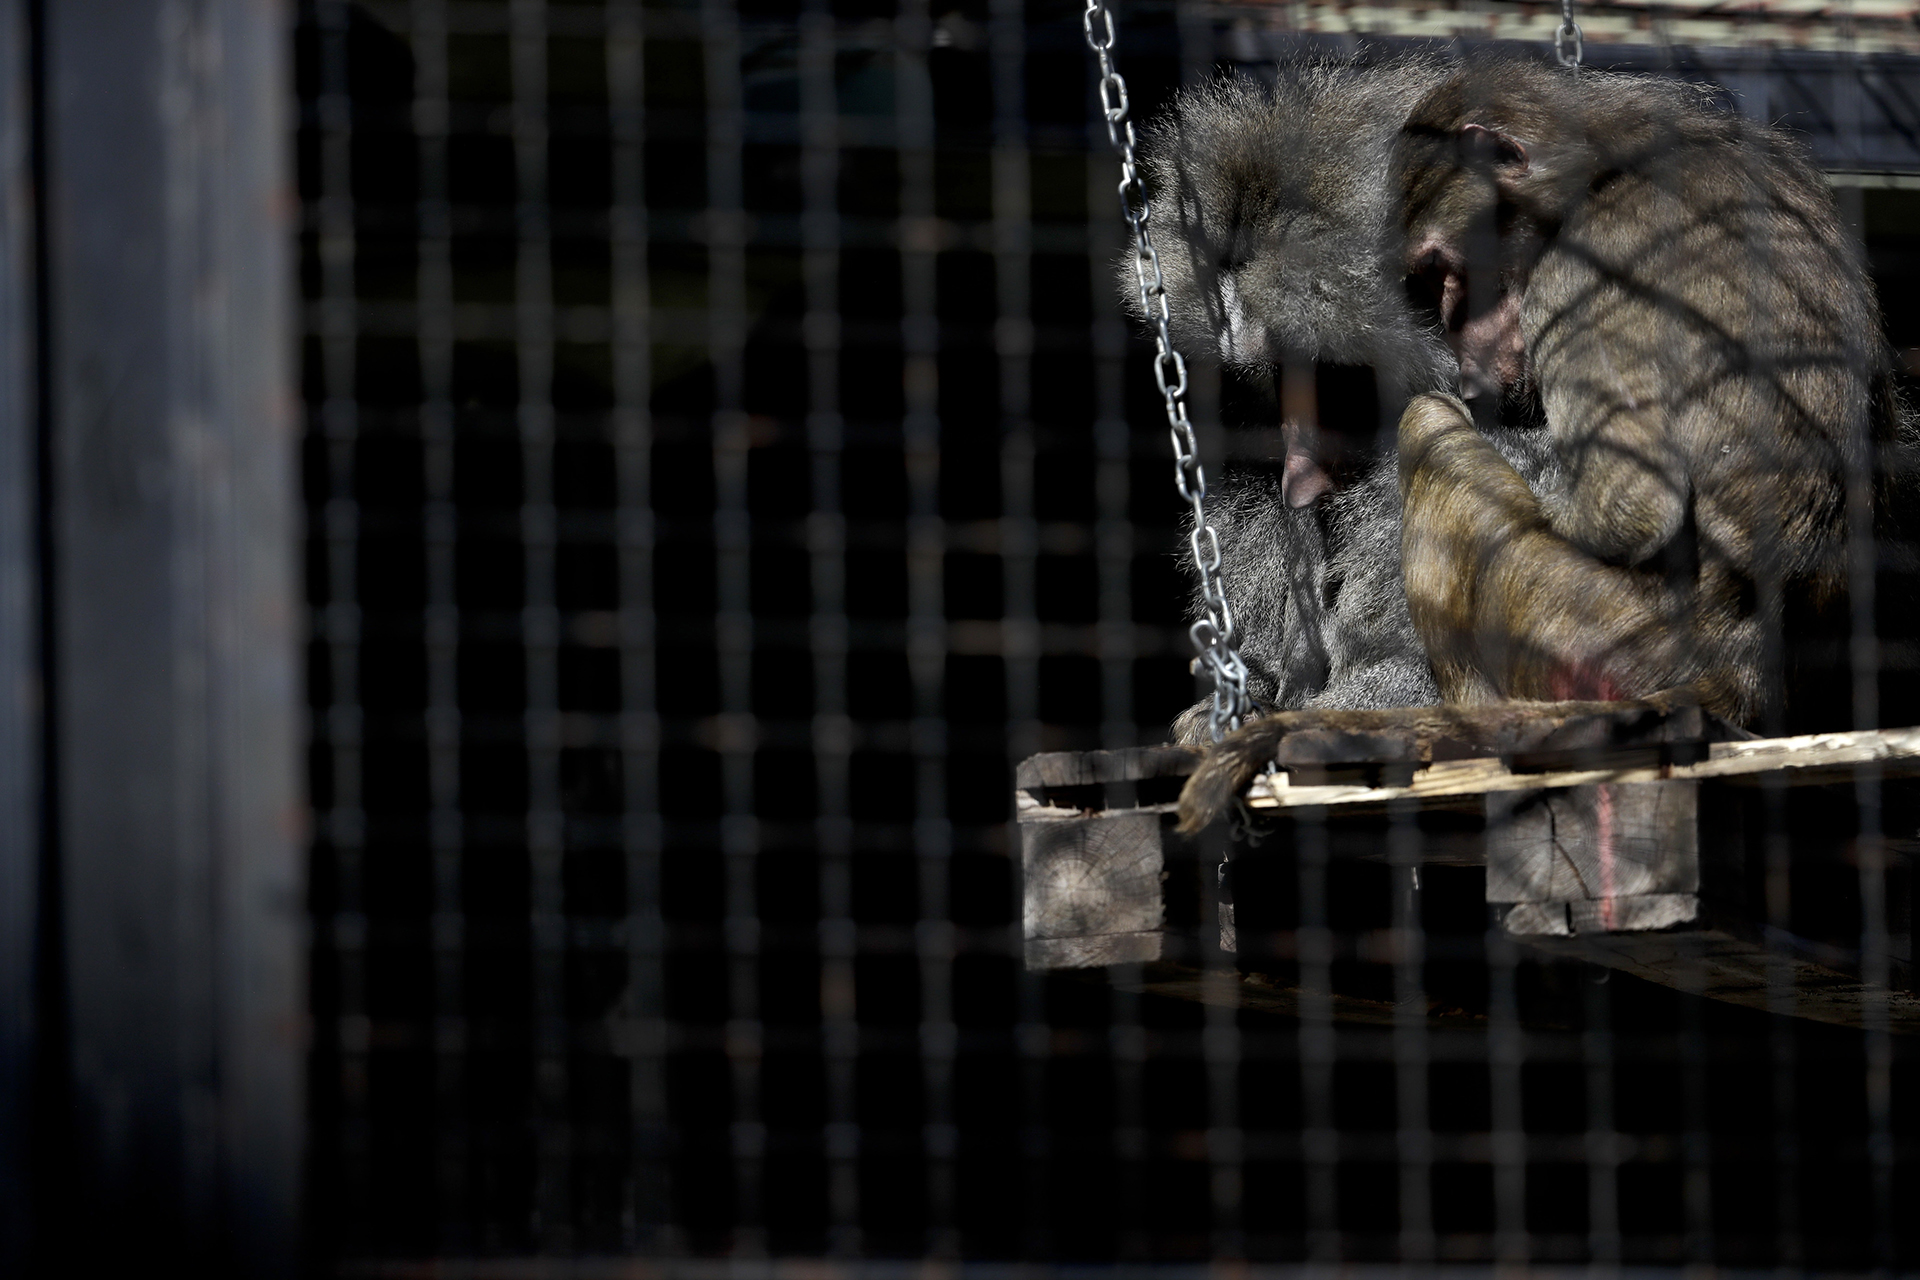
(1213, 634)
(1567, 45)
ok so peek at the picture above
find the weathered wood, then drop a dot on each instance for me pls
(1594, 859)
(1723, 964)
(1706, 962)
(1092, 890)
(1624, 836)
(1027, 809)
(1811, 759)
(1091, 768)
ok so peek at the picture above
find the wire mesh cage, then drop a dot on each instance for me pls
(726, 458)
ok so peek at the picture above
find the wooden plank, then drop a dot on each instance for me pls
(1091, 768)
(1724, 964)
(1713, 963)
(1809, 759)
(1027, 809)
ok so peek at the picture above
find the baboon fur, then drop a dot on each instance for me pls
(1633, 362)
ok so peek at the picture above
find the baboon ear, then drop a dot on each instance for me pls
(1480, 144)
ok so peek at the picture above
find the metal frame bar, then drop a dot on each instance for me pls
(175, 688)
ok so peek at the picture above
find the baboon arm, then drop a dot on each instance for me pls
(1617, 370)
(1506, 606)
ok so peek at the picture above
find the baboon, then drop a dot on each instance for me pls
(1279, 244)
(1674, 284)
(1640, 366)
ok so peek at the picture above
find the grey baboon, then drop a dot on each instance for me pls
(1280, 246)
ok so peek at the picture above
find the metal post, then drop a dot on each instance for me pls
(174, 611)
(19, 718)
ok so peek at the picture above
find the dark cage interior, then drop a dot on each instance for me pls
(725, 458)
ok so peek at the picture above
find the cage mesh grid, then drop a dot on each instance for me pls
(725, 458)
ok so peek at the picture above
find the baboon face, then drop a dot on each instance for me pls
(1463, 275)
(1483, 168)
(1279, 231)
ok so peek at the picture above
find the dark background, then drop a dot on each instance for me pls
(684, 585)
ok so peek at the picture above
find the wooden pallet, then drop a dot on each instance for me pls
(1638, 836)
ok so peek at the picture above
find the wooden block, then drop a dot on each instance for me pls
(1093, 893)
(1617, 857)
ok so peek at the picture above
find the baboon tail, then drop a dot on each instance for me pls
(1226, 770)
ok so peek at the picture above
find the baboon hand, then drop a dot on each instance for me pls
(1505, 606)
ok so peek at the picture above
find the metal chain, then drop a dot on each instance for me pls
(1567, 45)
(1213, 634)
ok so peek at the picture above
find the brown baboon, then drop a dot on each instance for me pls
(1674, 283)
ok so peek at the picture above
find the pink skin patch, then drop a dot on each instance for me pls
(1583, 682)
(1492, 351)
(1490, 347)
(1303, 479)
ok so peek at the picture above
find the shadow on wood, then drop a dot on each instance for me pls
(1644, 838)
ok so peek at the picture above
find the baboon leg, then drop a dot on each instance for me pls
(1507, 607)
